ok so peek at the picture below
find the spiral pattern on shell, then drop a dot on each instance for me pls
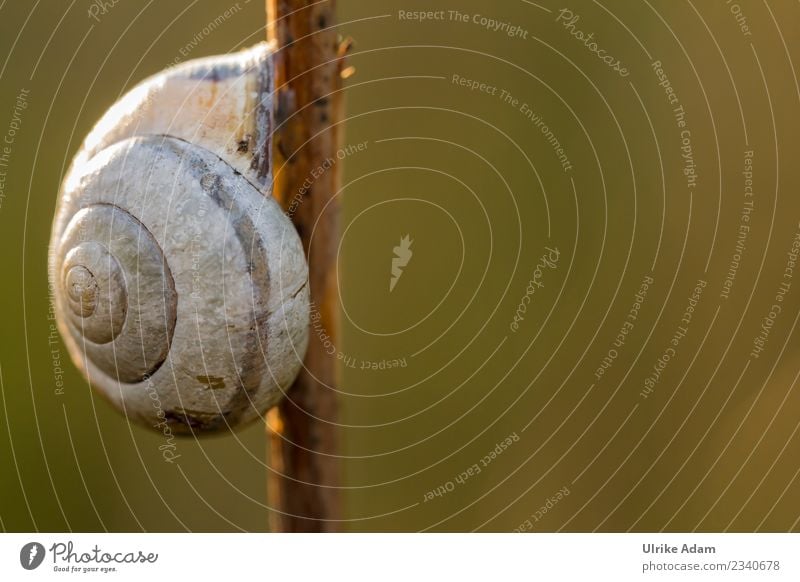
(116, 291)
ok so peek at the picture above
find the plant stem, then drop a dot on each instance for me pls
(304, 477)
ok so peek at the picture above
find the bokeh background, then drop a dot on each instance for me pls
(478, 186)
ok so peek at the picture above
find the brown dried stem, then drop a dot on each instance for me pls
(302, 487)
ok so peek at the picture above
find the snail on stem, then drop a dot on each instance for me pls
(178, 278)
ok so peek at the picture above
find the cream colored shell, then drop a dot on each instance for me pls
(181, 286)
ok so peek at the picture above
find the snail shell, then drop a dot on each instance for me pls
(181, 287)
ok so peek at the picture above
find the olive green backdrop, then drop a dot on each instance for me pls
(456, 416)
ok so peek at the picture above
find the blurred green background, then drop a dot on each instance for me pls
(479, 187)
